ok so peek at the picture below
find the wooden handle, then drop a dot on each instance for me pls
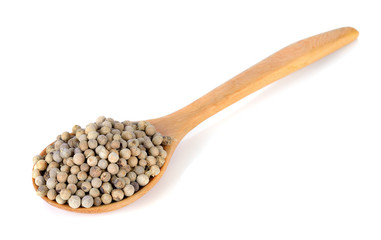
(276, 66)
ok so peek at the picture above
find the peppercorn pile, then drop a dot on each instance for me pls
(103, 163)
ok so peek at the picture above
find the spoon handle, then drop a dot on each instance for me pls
(276, 66)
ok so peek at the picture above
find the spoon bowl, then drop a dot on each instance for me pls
(276, 66)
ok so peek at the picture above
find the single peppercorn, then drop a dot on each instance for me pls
(117, 195)
(39, 181)
(87, 201)
(106, 198)
(128, 190)
(74, 201)
(65, 194)
(52, 194)
(142, 179)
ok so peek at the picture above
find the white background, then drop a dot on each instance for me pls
(299, 159)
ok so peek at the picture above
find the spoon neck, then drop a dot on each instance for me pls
(276, 66)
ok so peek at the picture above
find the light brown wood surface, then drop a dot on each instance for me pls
(276, 66)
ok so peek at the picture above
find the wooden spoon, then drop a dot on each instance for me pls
(276, 66)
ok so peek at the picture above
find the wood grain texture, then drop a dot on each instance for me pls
(276, 66)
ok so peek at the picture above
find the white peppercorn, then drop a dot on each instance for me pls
(48, 158)
(143, 163)
(105, 176)
(155, 170)
(157, 139)
(51, 183)
(143, 154)
(72, 187)
(122, 172)
(94, 192)
(106, 198)
(103, 153)
(77, 150)
(58, 143)
(100, 120)
(69, 162)
(82, 138)
(79, 158)
(104, 130)
(83, 145)
(139, 170)
(132, 161)
(131, 176)
(119, 183)
(74, 169)
(79, 132)
(95, 171)
(135, 151)
(142, 125)
(153, 151)
(89, 152)
(65, 153)
(163, 153)
(128, 190)
(160, 161)
(52, 165)
(74, 201)
(135, 185)
(62, 177)
(39, 181)
(96, 182)
(113, 157)
(90, 127)
(151, 160)
(117, 194)
(41, 165)
(122, 162)
(82, 175)
(125, 153)
(57, 156)
(102, 164)
(84, 167)
(119, 126)
(133, 143)
(87, 201)
(86, 186)
(150, 130)
(127, 135)
(92, 135)
(115, 144)
(106, 188)
(60, 186)
(97, 201)
(166, 140)
(139, 134)
(59, 200)
(72, 179)
(126, 180)
(52, 194)
(113, 168)
(92, 143)
(116, 134)
(80, 193)
(42, 190)
(65, 194)
(102, 139)
(65, 168)
(142, 179)
(92, 161)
